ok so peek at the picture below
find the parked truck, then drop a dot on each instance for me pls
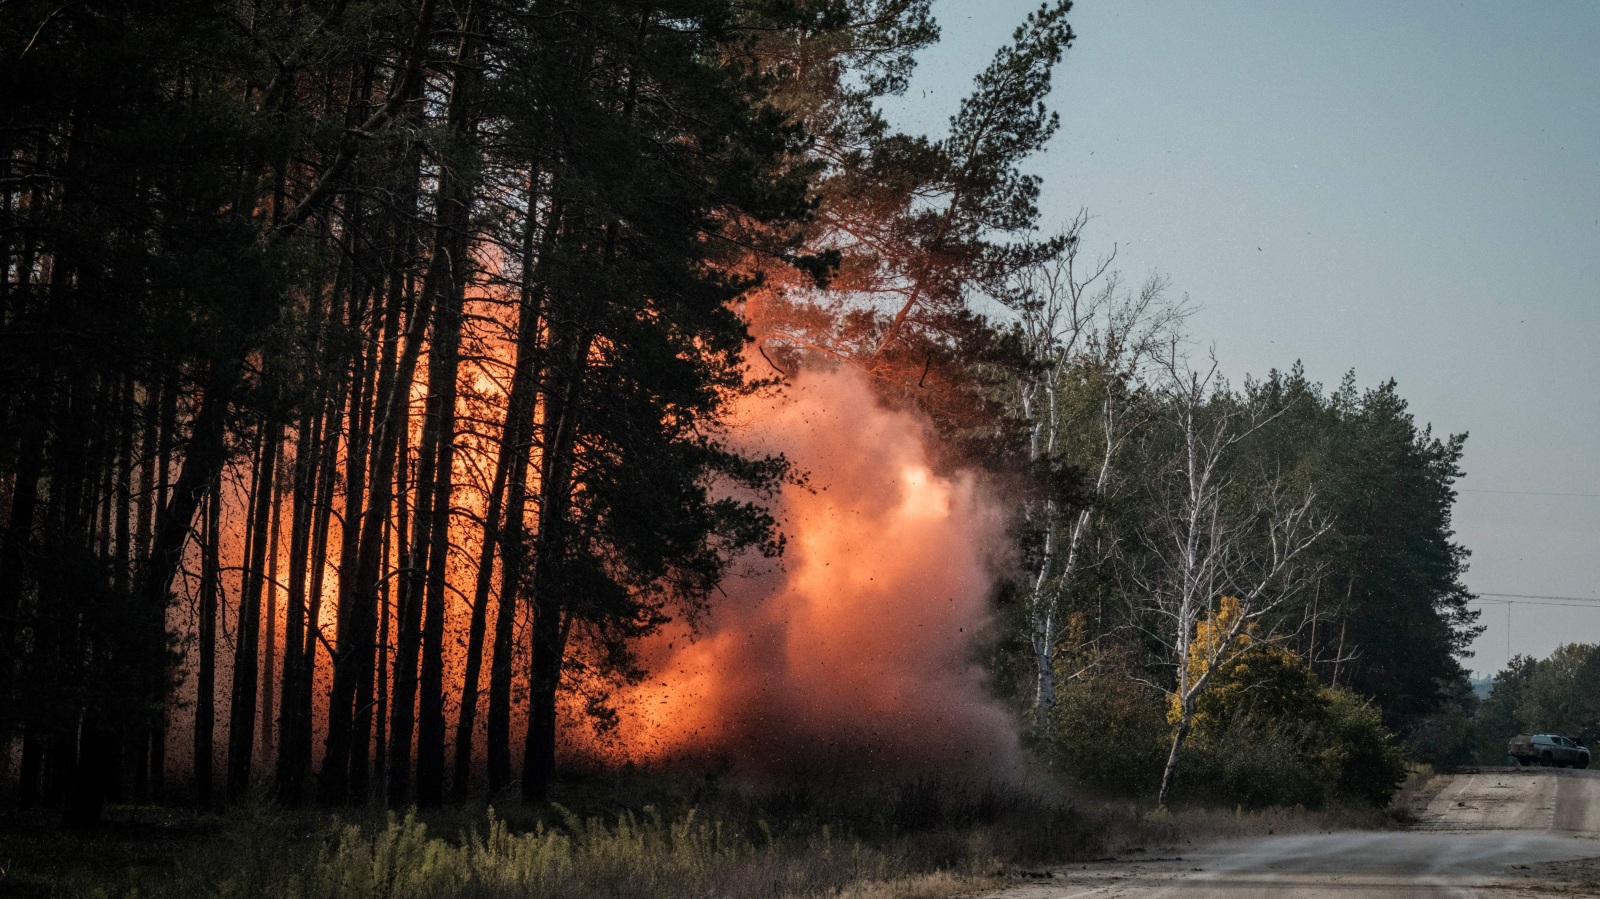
(1547, 750)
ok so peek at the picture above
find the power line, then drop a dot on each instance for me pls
(1541, 596)
(1535, 602)
(1527, 492)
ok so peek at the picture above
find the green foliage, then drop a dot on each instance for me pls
(1358, 751)
(1380, 607)
(1338, 751)
(1266, 733)
(1563, 696)
(1391, 589)
(1265, 681)
(1108, 733)
(1558, 694)
(1444, 739)
(1269, 733)
(1254, 764)
(1495, 722)
(1390, 611)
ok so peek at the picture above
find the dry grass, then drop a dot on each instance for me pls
(938, 885)
(1421, 785)
(922, 840)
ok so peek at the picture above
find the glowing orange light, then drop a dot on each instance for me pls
(856, 649)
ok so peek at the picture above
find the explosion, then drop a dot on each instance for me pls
(853, 654)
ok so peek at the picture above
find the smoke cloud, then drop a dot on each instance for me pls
(853, 655)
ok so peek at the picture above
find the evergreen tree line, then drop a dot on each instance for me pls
(363, 364)
(1231, 566)
(363, 368)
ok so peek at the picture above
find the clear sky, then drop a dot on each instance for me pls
(1411, 190)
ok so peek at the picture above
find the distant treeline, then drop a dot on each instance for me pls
(1559, 694)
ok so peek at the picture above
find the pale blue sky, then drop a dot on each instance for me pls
(1409, 189)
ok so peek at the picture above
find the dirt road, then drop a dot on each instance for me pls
(1497, 833)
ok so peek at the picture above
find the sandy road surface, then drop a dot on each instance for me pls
(1518, 799)
(1498, 833)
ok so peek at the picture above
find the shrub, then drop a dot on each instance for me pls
(1266, 733)
(1108, 733)
(1253, 764)
(1266, 682)
(1360, 752)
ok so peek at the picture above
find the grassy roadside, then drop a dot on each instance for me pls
(644, 837)
(1422, 783)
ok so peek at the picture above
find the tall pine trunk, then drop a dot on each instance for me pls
(247, 640)
(516, 446)
(294, 732)
(356, 463)
(550, 622)
(357, 622)
(205, 715)
(393, 420)
(269, 655)
(467, 721)
(447, 274)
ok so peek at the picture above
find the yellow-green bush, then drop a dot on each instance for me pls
(1266, 733)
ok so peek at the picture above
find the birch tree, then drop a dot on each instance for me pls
(1219, 536)
(1087, 340)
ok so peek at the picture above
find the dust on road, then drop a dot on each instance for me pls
(1494, 833)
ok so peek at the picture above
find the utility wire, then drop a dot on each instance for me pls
(1526, 492)
(1535, 602)
(1541, 596)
